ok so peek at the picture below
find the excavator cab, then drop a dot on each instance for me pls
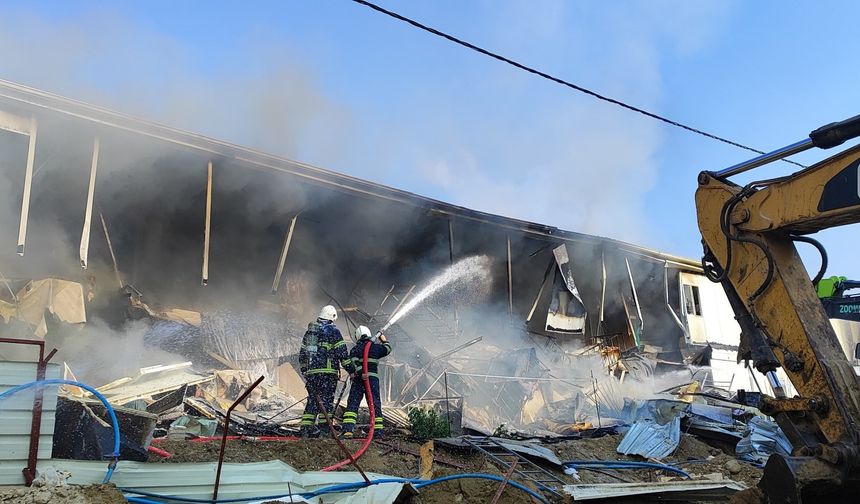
(749, 236)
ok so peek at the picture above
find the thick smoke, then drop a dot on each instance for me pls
(346, 249)
(584, 164)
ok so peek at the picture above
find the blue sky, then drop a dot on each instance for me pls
(335, 84)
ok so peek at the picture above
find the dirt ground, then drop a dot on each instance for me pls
(314, 454)
(692, 455)
(91, 494)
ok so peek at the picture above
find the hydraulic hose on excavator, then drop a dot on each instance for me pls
(369, 396)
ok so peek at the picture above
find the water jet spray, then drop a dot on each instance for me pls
(475, 268)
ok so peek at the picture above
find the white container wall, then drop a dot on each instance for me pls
(16, 418)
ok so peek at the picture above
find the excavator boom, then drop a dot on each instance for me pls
(749, 234)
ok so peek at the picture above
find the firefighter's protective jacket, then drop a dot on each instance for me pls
(377, 351)
(323, 350)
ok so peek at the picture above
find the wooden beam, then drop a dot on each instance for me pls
(276, 283)
(28, 185)
(425, 460)
(208, 226)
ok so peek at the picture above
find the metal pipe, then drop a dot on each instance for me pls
(451, 241)
(36, 426)
(636, 300)
(602, 284)
(226, 429)
(372, 317)
(28, 184)
(540, 291)
(269, 419)
(429, 389)
(338, 441)
(437, 399)
(766, 158)
(518, 378)
(510, 283)
(447, 403)
(88, 215)
(773, 379)
(596, 401)
(451, 261)
(110, 249)
(752, 374)
(669, 306)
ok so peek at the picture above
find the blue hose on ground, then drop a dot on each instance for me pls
(623, 464)
(114, 422)
(140, 500)
(343, 487)
(422, 483)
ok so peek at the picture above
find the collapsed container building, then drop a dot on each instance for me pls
(128, 244)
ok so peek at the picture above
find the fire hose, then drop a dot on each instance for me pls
(369, 396)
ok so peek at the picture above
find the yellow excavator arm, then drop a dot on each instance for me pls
(749, 234)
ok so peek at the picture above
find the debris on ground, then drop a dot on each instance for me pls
(90, 494)
(763, 439)
(179, 413)
(488, 410)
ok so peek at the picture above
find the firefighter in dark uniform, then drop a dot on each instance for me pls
(356, 391)
(322, 354)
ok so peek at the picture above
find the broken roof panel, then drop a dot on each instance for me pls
(38, 101)
(651, 440)
(62, 298)
(152, 381)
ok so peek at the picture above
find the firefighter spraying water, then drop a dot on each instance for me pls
(379, 349)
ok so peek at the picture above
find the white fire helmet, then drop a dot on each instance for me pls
(328, 313)
(362, 332)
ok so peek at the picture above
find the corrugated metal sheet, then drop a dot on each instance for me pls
(530, 448)
(195, 480)
(651, 440)
(691, 489)
(151, 383)
(763, 439)
(16, 417)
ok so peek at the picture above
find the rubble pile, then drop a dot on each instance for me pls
(699, 431)
(595, 421)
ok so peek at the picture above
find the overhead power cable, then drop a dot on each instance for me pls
(558, 80)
